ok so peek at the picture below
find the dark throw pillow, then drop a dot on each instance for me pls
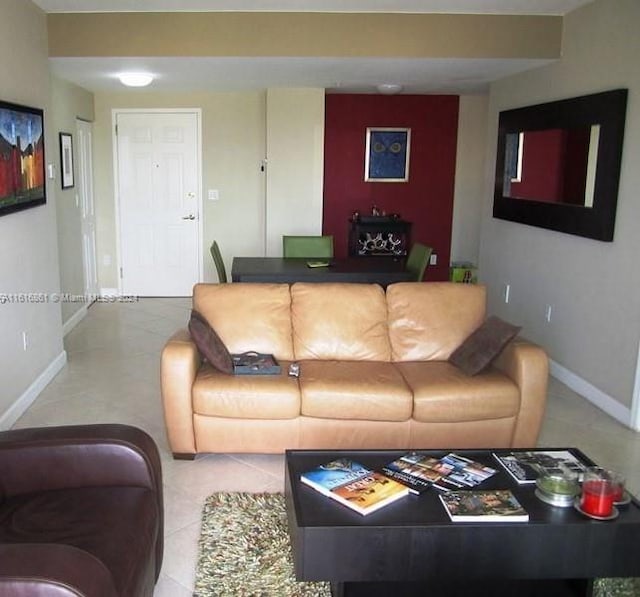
(209, 343)
(483, 345)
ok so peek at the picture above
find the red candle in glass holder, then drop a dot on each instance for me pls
(598, 496)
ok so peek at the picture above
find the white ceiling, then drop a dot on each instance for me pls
(356, 75)
(346, 75)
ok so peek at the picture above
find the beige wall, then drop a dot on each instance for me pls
(304, 34)
(69, 102)
(233, 146)
(28, 252)
(253, 205)
(295, 148)
(470, 177)
(593, 287)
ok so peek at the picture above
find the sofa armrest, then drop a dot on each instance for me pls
(52, 570)
(102, 455)
(49, 458)
(528, 366)
(179, 367)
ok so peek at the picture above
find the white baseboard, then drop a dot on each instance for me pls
(74, 320)
(18, 408)
(597, 397)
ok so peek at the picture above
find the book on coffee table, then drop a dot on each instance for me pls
(490, 505)
(419, 472)
(525, 467)
(354, 486)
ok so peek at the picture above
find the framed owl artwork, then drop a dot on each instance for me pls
(387, 154)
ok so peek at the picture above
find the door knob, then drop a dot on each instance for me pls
(189, 217)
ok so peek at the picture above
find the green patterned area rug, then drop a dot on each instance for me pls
(244, 551)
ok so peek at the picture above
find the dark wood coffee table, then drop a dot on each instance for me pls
(411, 548)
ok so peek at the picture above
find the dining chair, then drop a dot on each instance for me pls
(307, 246)
(217, 259)
(418, 260)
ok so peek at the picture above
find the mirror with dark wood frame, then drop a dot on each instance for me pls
(558, 164)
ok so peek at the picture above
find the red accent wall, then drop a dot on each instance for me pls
(426, 200)
(554, 166)
(542, 160)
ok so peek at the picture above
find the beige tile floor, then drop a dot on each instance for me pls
(112, 375)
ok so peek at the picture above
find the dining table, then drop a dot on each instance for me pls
(381, 270)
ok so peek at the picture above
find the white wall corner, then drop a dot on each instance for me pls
(109, 292)
(74, 320)
(594, 395)
(19, 407)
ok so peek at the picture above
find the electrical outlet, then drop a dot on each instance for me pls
(547, 313)
(213, 195)
(506, 292)
(433, 260)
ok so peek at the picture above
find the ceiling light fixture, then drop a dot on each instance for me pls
(135, 79)
(389, 88)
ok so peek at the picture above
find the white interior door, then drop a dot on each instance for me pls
(84, 152)
(158, 188)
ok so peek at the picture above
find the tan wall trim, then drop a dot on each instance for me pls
(304, 34)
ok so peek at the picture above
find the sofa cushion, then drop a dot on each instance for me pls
(444, 394)
(339, 322)
(117, 525)
(209, 344)
(362, 390)
(479, 350)
(428, 321)
(246, 396)
(248, 316)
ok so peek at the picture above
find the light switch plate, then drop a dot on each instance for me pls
(213, 195)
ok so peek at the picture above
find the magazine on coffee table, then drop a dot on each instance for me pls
(419, 472)
(525, 467)
(492, 505)
(354, 486)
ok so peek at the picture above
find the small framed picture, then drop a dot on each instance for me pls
(387, 154)
(66, 160)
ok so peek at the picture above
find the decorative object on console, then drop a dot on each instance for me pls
(387, 154)
(209, 343)
(379, 235)
(22, 167)
(483, 345)
(66, 160)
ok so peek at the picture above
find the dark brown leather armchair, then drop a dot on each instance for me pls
(81, 512)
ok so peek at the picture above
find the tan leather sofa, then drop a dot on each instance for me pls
(373, 372)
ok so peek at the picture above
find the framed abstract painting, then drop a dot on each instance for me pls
(66, 160)
(387, 154)
(22, 167)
